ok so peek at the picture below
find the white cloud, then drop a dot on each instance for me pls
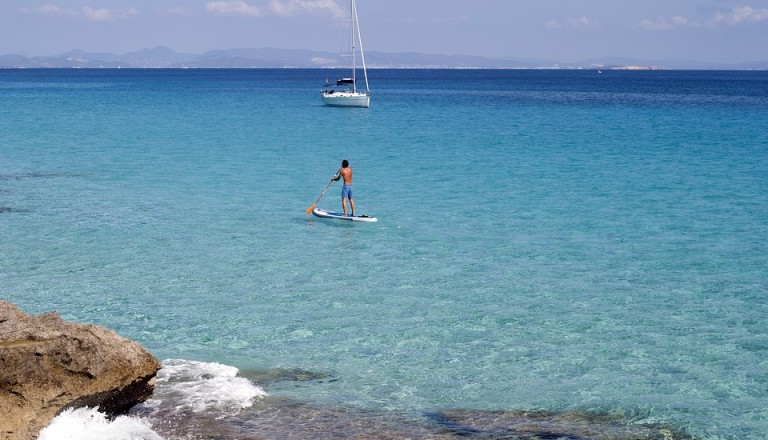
(580, 23)
(583, 23)
(97, 14)
(293, 7)
(447, 21)
(87, 12)
(48, 9)
(175, 10)
(666, 24)
(227, 7)
(660, 24)
(740, 15)
(106, 15)
(276, 7)
(553, 24)
(223, 7)
(736, 16)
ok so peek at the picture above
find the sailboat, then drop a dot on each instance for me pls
(349, 95)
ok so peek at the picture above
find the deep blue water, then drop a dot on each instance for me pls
(549, 240)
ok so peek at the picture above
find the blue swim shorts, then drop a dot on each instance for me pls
(346, 191)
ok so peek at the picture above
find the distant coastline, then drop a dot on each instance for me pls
(163, 57)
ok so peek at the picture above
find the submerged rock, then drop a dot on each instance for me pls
(541, 425)
(287, 375)
(48, 365)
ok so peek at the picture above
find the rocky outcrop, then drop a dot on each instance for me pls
(48, 365)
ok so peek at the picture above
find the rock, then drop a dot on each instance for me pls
(539, 425)
(48, 365)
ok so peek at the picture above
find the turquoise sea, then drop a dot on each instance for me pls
(564, 246)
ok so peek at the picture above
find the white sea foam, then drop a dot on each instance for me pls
(203, 386)
(90, 424)
(182, 385)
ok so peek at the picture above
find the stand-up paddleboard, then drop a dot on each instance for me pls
(340, 216)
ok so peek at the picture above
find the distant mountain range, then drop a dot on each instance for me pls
(163, 57)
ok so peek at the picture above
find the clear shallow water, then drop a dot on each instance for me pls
(553, 240)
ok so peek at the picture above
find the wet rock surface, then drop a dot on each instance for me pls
(48, 365)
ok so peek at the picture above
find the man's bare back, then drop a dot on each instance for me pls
(346, 173)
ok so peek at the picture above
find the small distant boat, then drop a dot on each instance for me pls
(348, 94)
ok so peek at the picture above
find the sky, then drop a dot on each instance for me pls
(722, 31)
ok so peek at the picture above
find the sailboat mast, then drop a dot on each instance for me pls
(352, 44)
(360, 41)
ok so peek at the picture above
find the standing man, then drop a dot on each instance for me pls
(346, 190)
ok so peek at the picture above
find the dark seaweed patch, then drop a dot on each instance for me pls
(8, 210)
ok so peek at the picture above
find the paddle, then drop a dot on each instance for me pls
(309, 210)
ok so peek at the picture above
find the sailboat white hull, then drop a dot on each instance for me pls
(347, 99)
